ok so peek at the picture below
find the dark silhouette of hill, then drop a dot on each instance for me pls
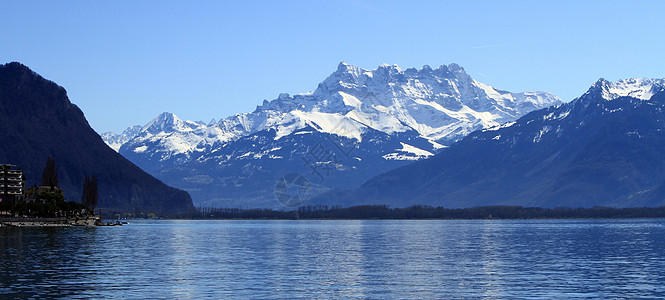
(38, 121)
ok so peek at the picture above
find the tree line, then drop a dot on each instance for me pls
(52, 202)
(430, 212)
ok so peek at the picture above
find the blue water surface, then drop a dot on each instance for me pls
(535, 259)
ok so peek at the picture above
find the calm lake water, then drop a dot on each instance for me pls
(338, 259)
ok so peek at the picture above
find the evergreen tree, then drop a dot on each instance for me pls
(50, 174)
(90, 195)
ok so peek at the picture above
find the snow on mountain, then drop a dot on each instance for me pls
(442, 105)
(115, 140)
(168, 122)
(641, 88)
(601, 149)
(386, 117)
(408, 152)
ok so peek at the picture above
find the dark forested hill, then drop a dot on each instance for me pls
(38, 121)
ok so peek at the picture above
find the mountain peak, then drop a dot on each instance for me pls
(455, 68)
(608, 153)
(640, 88)
(344, 67)
(441, 104)
(19, 74)
(167, 117)
(378, 118)
(393, 67)
(165, 121)
(16, 66)
(115, 140)
(52, 98)
(601, 82)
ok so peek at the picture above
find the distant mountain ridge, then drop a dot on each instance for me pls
(38, 121)
(440, 104)
(115, 140)
(387, 117)
(602, 149)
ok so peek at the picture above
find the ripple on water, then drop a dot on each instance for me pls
(337, 259)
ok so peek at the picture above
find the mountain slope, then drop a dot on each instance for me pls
(115, 140)
(368, 121)
(604, 148)
(38, 121)
(441, 104)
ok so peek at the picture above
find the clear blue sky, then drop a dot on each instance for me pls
(124, 62)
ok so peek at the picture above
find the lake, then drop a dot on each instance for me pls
(543, 259)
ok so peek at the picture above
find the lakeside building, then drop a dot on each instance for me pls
(12, 184)
(38, 205)
(32, 193)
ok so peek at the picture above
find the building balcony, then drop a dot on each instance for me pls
(16, 179)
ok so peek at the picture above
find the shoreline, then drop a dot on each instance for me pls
(51, 222)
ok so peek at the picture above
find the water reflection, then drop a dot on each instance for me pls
(339, 259)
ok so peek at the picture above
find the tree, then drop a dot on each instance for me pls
(50, 174)
(90, 195)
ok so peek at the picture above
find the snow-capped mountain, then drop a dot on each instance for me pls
(641, 88)
(115, 140)
(386, 117)
(604, 148)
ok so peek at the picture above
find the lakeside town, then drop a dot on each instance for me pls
(44, 204)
